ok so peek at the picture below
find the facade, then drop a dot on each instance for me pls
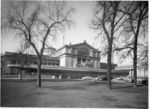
(75, 61)
(104, 65)
(142, 71)
(78, 55)
(24, 60)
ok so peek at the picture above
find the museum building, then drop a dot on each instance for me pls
(75, 61)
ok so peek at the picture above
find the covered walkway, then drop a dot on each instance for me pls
(68, 72)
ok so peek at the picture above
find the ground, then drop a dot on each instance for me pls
(83, 94)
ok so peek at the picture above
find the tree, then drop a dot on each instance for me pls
(135, 26)
(108, 22)
(142, 55)
(36, 22)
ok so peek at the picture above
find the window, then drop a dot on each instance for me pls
(79, 61)
(73, 51)
(25, 62)
(35, 62)
(89, 60)
(83, 51)
(94, 54)
(98, 55)
(13, 61)
(53, 63)
(57, 64)
(83, 59)
(19, 61)
(49, 64)
(44, 63)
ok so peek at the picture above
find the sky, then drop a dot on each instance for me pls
(78, 32)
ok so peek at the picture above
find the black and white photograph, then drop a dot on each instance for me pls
(74, 54)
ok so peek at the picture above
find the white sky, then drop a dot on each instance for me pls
(79, 32)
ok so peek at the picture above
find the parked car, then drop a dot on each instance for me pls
(101, 78)
(87, 78)
(119, 79)
(139, 80)
(142, 81)
(104, 78)
(129, 80)
(98, 78)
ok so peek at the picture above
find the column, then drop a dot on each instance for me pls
(60, 77)
(130, 73)
(76, 51)
(91, 53)
(20, 74)
(144, 73)
(97, 59)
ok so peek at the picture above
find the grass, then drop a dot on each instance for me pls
(83, 94)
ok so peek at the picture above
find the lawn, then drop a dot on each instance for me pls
(83, 94)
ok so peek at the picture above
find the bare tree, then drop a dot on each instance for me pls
(135, 26)
(108, 22)
(36, 23)
(142, 55)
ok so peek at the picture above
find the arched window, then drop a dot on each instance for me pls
(83, 51)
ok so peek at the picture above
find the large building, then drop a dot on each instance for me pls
(78, 55)
(75, 61)
(11, 58)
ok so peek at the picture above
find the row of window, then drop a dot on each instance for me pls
(33, 62)
(83, 51)
(49, 63)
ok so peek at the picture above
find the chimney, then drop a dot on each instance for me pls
(84, 41)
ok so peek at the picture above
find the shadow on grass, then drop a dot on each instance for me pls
(94, 83)
(124, 106)
(109, 98)
(121, 86)
(124, 86)
(64, 87)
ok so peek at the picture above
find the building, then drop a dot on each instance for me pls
(142, 71)
(24, 60)
(78, 55)
(105, 65)
(73, 61)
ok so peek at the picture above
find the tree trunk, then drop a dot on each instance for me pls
(135, 63)
(135, 53)
(39, 73)
(109, 67)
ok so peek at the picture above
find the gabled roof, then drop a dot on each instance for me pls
(75, 45)
(84, 43)
(59, 49)
(51, 48)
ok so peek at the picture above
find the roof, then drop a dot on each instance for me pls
(75, 45)
(47, 67)
(51, 48)
(105, 64)
(128, 67)
(59, 49)
(85, 43)
(13, 54)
